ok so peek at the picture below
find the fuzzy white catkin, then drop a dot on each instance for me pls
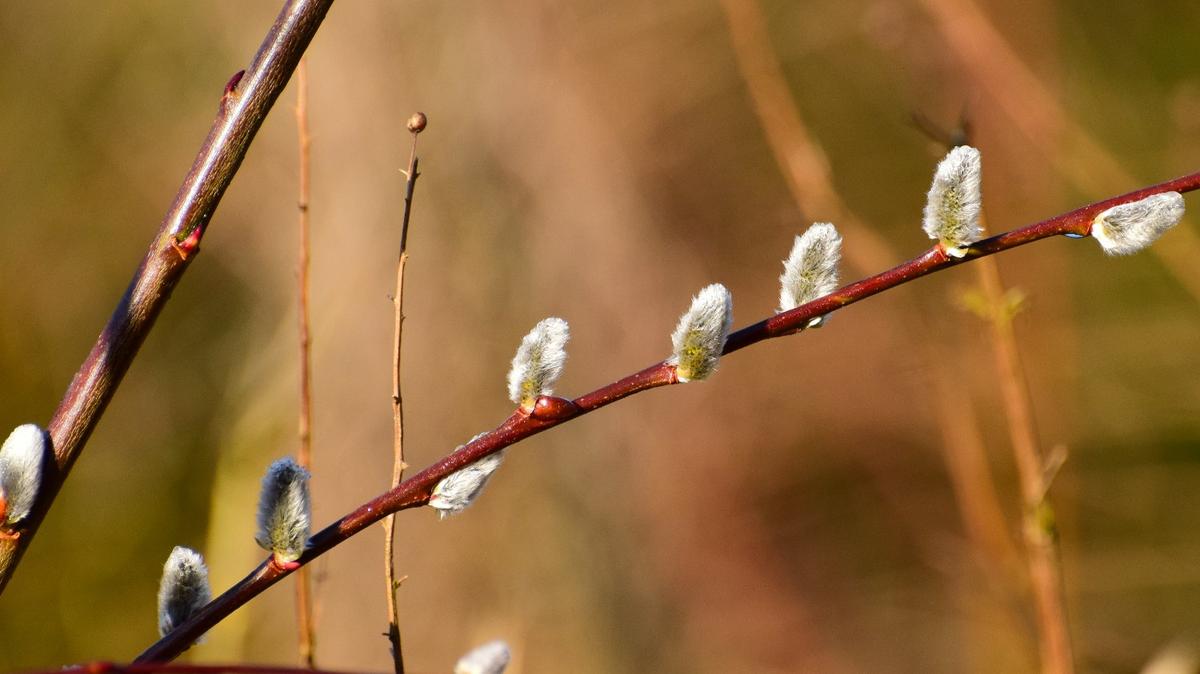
(955, 200)
(700, 335)
(21, 459)
(811, 269)
(459, 489)
(539, 362)
(490, 658)
(183, 589)
(1128, 228)
(284, 510)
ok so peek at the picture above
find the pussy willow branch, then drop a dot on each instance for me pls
(247, 100)
(150, 668)
(416, 490)
(304, 605)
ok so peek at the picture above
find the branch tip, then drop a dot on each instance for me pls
(417, 122)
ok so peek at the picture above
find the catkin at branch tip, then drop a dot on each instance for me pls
(700, 336)
(183, 589)
(955, 200)
(490, 658)
(21, 460)
(539, 362)
(811, 269)
(284, 510)
(1127, 228)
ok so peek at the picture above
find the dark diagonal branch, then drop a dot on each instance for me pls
(550, 412)
(119, 668)
(247, 99)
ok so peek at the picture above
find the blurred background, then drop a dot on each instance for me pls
(842, 500)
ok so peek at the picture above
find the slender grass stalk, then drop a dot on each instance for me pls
(305, 629)
(416, 491)
(247, 99)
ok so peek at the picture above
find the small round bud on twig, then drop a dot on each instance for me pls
(700, 336)
(21, 459)
(284, 511)
(1128, 228)
(811, 269)
(538, 363)
(955, 200)
(183, 589)
(417, 122)
(490, 658)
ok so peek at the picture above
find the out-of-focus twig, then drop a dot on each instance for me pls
(416, 124)
(304, 608)
(418, 489)
(247, 99)
(1041, 548)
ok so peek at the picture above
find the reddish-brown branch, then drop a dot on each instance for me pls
(243, 107)
(416, 490)
(171, 668)
(304, 610)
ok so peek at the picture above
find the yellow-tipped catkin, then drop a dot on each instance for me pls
(955, 200)
(539, 362)
(700, 336)
(811, 269)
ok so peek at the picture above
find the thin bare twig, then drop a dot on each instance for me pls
(304, 608)
(417, 490)
(247, 100)
(1041, 548)
(416, 124)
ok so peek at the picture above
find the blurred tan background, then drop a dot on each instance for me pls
(602, 162)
